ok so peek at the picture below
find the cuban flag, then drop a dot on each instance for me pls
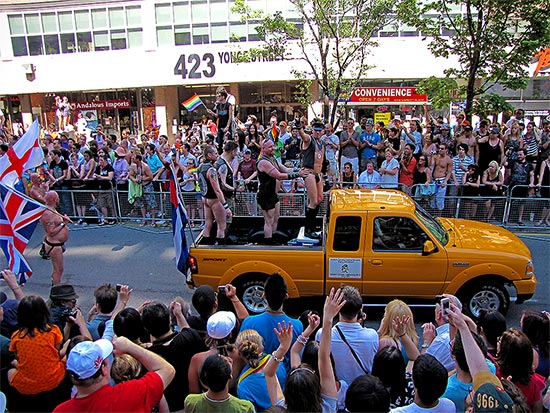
(19, 216)
(179, 221)
(25, 154)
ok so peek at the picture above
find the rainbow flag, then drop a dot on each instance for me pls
(275, 132)
(192, 103)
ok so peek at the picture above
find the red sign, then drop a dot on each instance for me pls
(382, 109)
(386, 94)
(103, 104)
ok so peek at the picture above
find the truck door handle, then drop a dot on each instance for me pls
(376, 262)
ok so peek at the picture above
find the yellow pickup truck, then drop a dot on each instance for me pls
(383, 243)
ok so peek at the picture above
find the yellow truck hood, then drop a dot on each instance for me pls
(479, 235)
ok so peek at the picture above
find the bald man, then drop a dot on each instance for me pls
(38, 188)
(57, 234)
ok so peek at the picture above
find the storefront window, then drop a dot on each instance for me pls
(147, 97)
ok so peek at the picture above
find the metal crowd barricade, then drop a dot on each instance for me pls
(505, 207)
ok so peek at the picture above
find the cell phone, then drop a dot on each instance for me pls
(222, 289)
(118, 287)
(445, 305)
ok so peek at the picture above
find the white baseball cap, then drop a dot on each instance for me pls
(220, 324)
(86, 358)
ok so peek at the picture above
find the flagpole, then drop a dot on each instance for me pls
(180, 198)
(40, 203)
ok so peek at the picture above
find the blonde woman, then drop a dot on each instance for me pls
(492, 187)
(250, 346)
(397, 329)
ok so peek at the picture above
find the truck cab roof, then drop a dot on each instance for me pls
(350, 200)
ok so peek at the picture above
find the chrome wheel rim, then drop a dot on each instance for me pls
(253, 299)
(484, 299)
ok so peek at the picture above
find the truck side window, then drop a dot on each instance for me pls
(347, 234)
(397, 233)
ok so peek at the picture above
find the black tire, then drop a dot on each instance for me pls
(279, 237)
(250, 292)
(491, 295)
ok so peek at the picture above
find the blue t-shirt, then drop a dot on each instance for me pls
(373, 138)
(254, 389)
(265, 323)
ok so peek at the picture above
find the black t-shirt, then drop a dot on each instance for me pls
(58, 168)
(104, 184)
(223, 114)
(178, 349)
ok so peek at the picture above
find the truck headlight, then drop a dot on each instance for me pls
(529, 269)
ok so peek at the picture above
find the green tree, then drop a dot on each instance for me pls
(493, 40)
(335, 42)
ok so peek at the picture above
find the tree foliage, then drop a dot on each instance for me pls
(335, 41)
(493, 40)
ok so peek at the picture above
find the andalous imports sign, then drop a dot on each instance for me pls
(103, 104)
(386, 95)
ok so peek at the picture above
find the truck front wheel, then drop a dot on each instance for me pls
(490, 295)
(251, 292)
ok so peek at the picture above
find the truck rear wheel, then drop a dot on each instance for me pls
(251, 293)
(490, 295)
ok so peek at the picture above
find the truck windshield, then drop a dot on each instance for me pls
(433, 225)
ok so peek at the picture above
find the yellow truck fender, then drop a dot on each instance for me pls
(505, 273)
(258, 267)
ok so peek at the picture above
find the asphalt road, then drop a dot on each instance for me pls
(144, 259)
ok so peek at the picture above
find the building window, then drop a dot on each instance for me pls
(51, 42)
(101, 41)
(182, 35)
(49, 22)
(17, 25)
(162, 14)
(135, 38)
(165, 36)
(182, 13)
(116, 18)
(19, 45)
(32, 24)
(84, 41)
(133, 16)
(237, 32)
(200, 34)
(219, 33)
(82, 19)
(99, 19)
(67, 43)
(66, 21)
(36, 47)
(118, 40)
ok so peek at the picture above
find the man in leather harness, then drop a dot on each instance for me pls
(57, 235)
(313, 156)
(269, 171)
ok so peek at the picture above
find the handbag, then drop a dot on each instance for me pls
(428, 190)
(353, 353)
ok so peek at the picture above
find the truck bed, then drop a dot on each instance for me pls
(249, 230)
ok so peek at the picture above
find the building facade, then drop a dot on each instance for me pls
(131, 63)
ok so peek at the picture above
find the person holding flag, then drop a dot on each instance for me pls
(57, 234)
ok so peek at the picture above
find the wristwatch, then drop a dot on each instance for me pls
(424, 345)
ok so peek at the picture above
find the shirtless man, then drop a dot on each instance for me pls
(443, 168)
(269, 171)
(38, 188)
(215, 206)
(313, 155)
(57, 235)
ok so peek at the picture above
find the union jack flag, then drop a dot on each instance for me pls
(25, 154)
(18, 218)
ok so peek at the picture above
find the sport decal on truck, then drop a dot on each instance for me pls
(345, 267)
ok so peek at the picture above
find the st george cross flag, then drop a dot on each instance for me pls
(25, 154)
(192, 103)
(18, 218)
(179, 221)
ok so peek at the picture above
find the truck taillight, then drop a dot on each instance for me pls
(192, 261)
(529, 269)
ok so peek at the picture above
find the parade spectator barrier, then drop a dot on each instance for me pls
(504, 207)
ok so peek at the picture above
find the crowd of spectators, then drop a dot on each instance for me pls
(212, 356)
(428, 159)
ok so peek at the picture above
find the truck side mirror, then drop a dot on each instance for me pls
(429, 248)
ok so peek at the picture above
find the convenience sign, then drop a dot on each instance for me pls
(386, 95)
